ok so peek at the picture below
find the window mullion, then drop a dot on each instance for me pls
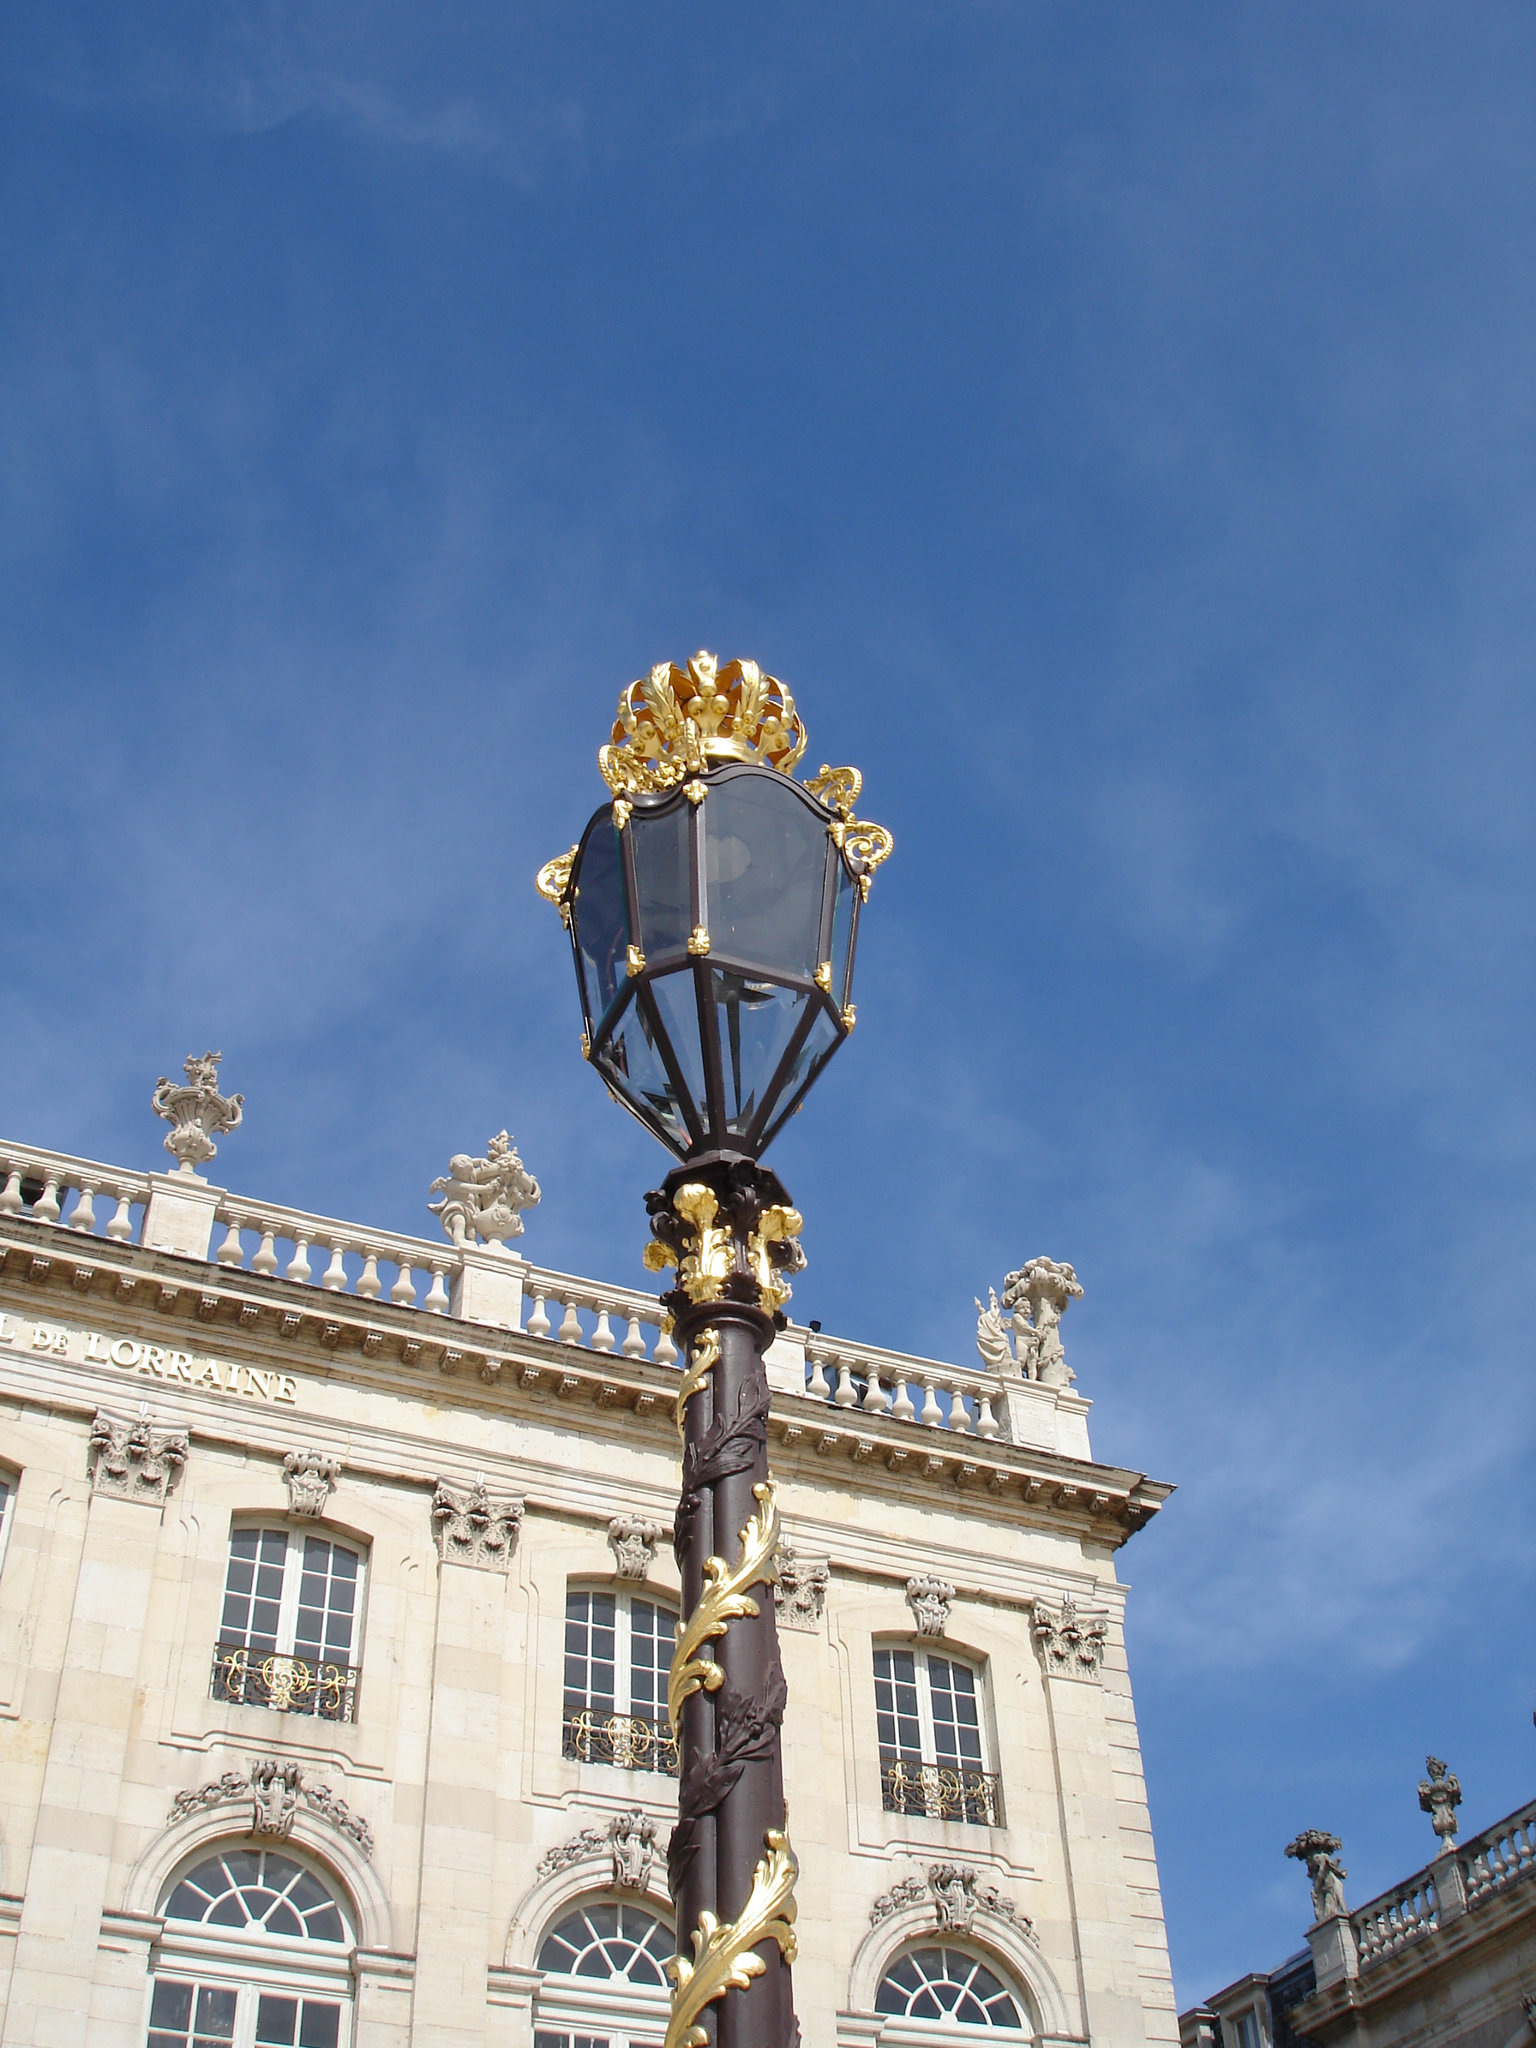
(930, 1740)
(623, 1654)
(288, 1613)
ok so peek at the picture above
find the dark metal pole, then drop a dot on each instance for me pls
(726, 1223)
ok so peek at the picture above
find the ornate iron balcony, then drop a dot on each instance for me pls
(941, 1791)
(288, 1684)
(631, 1742)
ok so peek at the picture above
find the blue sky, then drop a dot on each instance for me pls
(1115, 423)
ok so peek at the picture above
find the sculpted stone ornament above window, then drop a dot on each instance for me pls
(1319, 1852)
(800, 1591)
(484, 1198)
(929, 1601)
(956, 1894)
(196, 1111)
(311, 1481)
(276, 1787)
(629, 1839)
(633, 1542)
(1071, 1643)
(133, 1460)
(475, 1527)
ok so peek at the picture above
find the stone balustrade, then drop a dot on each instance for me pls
(917, 1390)
(1398, 1917)
(1433, 1897)
(74, 1194)
(1501, 1853)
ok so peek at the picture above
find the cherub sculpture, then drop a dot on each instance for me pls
(484, 1197)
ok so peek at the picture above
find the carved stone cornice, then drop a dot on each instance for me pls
(475, 1527)
(274, 1787)
(133, 1460)
(311, 1479)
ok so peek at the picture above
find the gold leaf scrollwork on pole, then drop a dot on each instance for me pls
(702, 1272)
(724, 1597)
(724, 1954)
(705, 1357)
(776, 1226)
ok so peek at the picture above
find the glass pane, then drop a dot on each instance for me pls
(847, 890)
(765, 858)
(821, 1041)
(756, 1020)
(277, 2021)
(601, 920)
(662, 878)
(677, 1001)
(630, 1060)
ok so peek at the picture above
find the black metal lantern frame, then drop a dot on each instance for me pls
(714, 928)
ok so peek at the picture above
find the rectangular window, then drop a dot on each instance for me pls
(618, 1649)
(190, 2015)
(184, 2014)
(928, 1724)
(1246, 2029)
(288, 1636)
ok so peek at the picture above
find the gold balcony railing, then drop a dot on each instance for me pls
(593, 1736)
(288, 1684)
(941, 1791)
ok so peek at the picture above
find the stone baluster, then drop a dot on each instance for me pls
(901, 1408)
(932, 1415)
(10, 1195)
(231, 1252)
(569, 1331)
(845, 1397)
(120, 1229)
(876, 1399)
(265, 1260)
(84, 1215)
(816, 1386)
(602, 1336)
(369, 1285)
(436, 1302)
(298, 1266)
(986, 1421)
(634, 1343)
(334, 1278)
(959, 1419)
(538, 1322)
(404, 1289)
(46, 1208)
(666, 1351)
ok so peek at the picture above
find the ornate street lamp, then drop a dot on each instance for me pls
(713, 909)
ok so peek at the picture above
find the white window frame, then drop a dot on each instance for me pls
(293, 1572)
(634, 2016)
(623, 1598)
(933, 1797)
(10, 1480)
(901, 2032)
(927, 1726)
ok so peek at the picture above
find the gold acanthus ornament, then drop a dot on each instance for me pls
(703, 1272)
(553, 881)
(677, 722)
(705, 1357)
(724, 1953)
(725, 1596)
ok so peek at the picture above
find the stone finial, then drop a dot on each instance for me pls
(311, 1481)
(484, 1198)
(134, 1460)
(275, 1783)
(992, 1336)
(800, 1590)
(1071, 1644)
(1439, 1797)
(1038, 1295)
(1319, 1852)
(196, 1111)
(633, 1542)
(475, 1527)
(929, 1601)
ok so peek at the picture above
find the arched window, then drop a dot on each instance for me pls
(289, 1633)
(950, 1988)
(618, 1647)
(606, 1983)
(256, 1954)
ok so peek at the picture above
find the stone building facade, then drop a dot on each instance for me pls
(335, 1582)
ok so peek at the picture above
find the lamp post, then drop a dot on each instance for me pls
(713, 909)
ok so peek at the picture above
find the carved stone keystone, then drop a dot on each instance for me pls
(196, 1110)
(133, 1460)
(475, 1527)
(800, 1591)
(957, 1895)
(276, 1787)
(929, 1601)
(311, 1481)
(633, 1542)
(275, 1783)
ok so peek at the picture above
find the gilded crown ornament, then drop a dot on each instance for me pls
(677, 722)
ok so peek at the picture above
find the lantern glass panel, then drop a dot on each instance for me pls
(631, 1061)
(843, 901)
(601, 920)
(677, 1001)
(765, 854)
(756, 1021)
(821, 1042)
(663, 879)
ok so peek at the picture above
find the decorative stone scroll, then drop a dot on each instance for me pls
(311, 1481)
(956, 1894)
(1071, 1644)
(800, 1591)
(629, 1840)
(133, 1460)
(484, 1198)
(929, 1601)
(275, 1788)
(1319, 1852)
(633, 1542)
(196, 1110)
(476, 1527)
